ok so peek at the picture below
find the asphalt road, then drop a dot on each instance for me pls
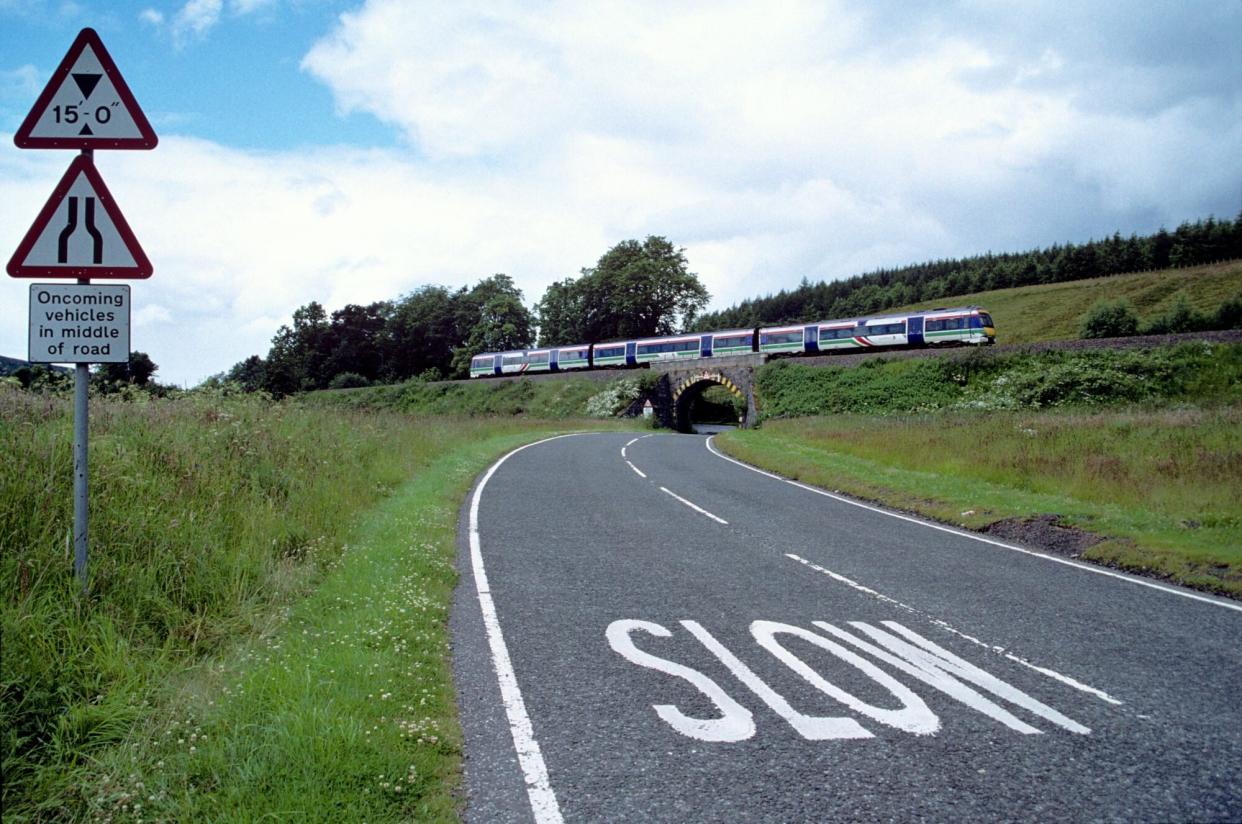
(703, 642)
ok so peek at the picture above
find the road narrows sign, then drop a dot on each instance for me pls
(80, 233)
(86, 105)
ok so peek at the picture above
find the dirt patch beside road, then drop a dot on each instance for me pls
(1044, 532)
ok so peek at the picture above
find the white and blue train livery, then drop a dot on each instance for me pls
(960, 326)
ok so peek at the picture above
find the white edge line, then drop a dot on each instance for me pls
(1064, 679)
(636, 469)
(974, 537)
(543, 802)
(695, 507)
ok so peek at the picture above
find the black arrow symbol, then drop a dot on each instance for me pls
(87, 82)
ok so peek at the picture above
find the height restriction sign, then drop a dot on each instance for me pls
(86, 105)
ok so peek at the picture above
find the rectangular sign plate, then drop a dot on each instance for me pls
(79, 323)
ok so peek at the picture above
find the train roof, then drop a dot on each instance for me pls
(885, 316)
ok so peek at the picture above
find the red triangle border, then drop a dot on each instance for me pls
(81, 164)
(147, 140)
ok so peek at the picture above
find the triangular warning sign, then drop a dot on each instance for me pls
(80, 233)
(86, 105)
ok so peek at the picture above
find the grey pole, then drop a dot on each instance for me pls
(81, 432)
(81, 388)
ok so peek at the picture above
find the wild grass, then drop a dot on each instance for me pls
(1160, 484)
(1054, 311)
(544, 400)
(347, 711)
(210, 518)
(987, 380)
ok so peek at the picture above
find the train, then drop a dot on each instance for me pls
(957, 326)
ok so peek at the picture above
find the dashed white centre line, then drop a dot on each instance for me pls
(974, 537)
(625, 458)
(1064, 679)
(693, 506)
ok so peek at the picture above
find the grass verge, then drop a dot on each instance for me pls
(1158, 486)
(347, 712)
(213, 519)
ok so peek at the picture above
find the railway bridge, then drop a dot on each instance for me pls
(681, 384)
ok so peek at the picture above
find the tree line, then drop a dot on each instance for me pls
(1191, 244)
(635, 289)
(643, 289)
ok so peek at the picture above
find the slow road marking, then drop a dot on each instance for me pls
(917, 658)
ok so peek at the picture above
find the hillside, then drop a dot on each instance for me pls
(1054, 311)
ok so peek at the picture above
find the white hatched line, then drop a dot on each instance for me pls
(543, 802)
(641, 474)
(1064, 679)
(974, 537)
(695, 507)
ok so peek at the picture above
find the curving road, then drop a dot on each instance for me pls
(648, 631)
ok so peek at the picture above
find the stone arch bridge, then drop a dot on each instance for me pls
(681, 384)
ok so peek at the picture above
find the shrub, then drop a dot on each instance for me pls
(1110, 319)
(1181, 318)
(348, 380)
(614, 399)
(1229, 314)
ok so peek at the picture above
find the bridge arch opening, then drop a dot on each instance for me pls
(708, 399)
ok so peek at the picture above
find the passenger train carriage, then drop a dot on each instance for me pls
(966, 325)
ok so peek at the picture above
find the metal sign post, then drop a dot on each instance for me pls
(81, 467)
(81, 234)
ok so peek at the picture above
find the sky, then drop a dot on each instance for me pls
(353, 151)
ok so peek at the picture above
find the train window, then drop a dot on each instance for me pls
(610, 352)
(655, 348)
(945, 324)
(781, 337)
(730, 341)
(513, 360)
(573, 354)
(985, 319)
(887, 329)
(541, 357)
(481, 363)
(836, 334)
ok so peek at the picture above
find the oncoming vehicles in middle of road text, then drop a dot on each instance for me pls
(964, 325)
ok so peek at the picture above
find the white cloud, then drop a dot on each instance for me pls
(242, 7)
(151, 314)
(196, 17)
(20, 84)
(152, 17)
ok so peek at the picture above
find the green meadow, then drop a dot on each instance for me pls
(1054, 311)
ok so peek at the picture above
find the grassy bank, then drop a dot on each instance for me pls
(1158, 485)
(1198, 373)
(1139, 447)
(545, 400)
(213, 520)
(1054, 311)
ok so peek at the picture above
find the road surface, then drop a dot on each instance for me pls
(648, 631)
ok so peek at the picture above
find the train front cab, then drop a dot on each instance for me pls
(483, 366)
(968, 326)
